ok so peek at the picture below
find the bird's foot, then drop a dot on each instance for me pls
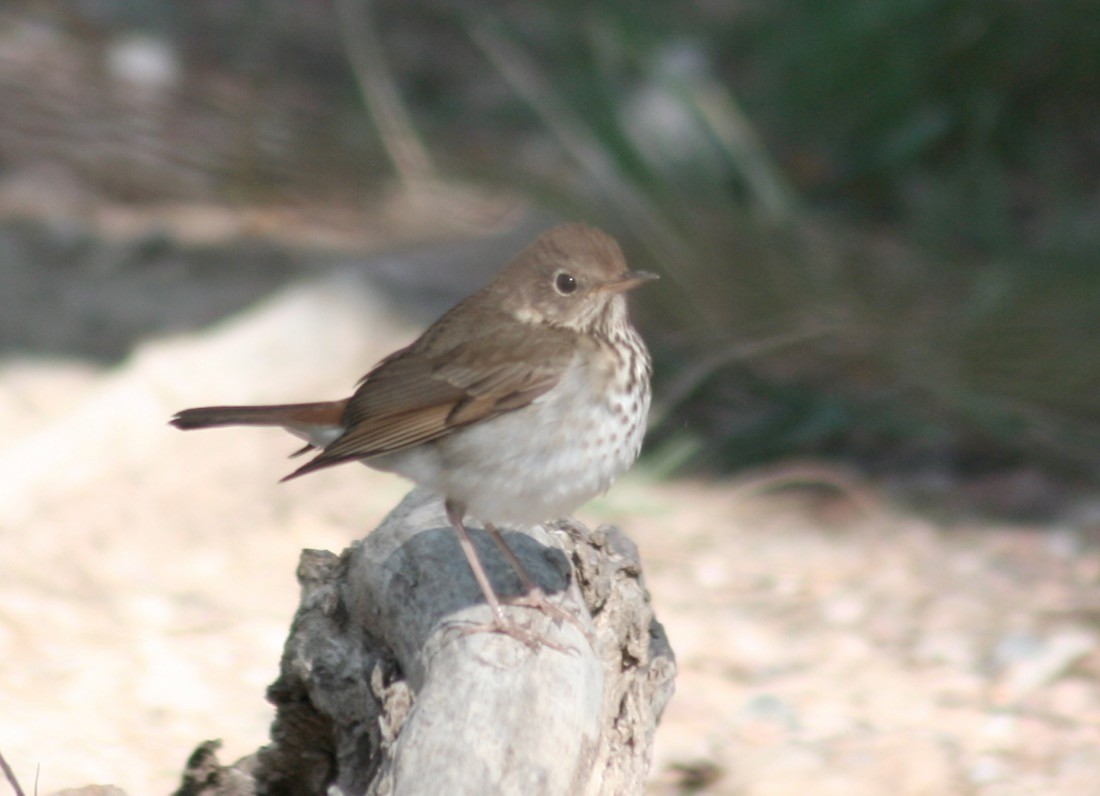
(501, 624)
(536, 598)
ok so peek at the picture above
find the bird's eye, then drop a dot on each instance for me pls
(565, 283)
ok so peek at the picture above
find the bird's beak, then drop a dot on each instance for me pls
(628, 281)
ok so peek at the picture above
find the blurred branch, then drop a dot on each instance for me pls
(427, 193)
(793, 475)
(736, 135)
(691, 376)
(9, 775)
(364, 49)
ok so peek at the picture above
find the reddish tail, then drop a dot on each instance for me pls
(300, 417)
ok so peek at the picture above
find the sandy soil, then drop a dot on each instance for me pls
(828, 640)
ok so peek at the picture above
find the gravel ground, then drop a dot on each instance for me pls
(829, 640)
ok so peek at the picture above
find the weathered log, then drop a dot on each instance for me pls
(384, 689)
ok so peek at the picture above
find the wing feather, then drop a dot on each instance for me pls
(432, 388)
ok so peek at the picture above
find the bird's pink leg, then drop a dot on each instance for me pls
(533, 596)
(501, 623)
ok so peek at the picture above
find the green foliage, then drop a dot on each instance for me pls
(945, 116)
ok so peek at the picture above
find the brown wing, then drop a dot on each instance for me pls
(436, 386)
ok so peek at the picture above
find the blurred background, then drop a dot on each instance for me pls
(877, 226)
(876, 219)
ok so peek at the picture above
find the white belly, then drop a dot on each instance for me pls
(537, 463)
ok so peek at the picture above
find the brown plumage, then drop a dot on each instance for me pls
(523, 401)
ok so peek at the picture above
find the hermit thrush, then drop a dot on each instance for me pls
(521, 403)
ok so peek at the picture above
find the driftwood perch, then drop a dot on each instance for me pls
(383, 690)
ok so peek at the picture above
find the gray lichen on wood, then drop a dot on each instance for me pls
(383, 689)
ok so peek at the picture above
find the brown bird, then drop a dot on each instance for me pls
(521, 403)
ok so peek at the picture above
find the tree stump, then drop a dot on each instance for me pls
(384, 689)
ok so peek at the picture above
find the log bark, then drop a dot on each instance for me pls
(387, 688)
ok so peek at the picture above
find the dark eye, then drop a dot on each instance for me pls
(565, 283)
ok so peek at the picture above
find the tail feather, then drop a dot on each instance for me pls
(289, 416)
(318, 423)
